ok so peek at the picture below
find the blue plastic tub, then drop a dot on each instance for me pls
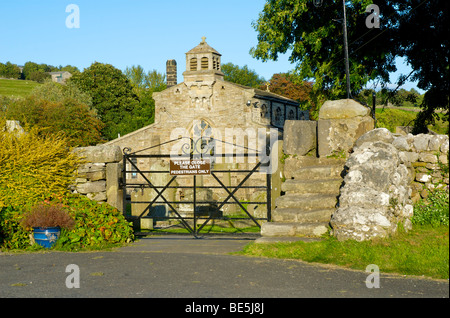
(46, 237)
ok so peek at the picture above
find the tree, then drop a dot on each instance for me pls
(67, 116)
(285, 84)
(414, 29)
(315, 40)
(69, 68)
(424, 34)
(56, 92)
(9, 70)
(242, 75)
(39, 76)
(112, 96)
(144, 85)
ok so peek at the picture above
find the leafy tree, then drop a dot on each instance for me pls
(9, 70)
(424, 34)
(285, 84)
(313, 34)
(144, 85)
(38, 76)
(68, 116)
(69, 68)
(315, 39)
(112, 96)
(33, 70)
(242, 75)
(56, 92)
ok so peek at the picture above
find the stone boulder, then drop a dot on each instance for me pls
(340, 124)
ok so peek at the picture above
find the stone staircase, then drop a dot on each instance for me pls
(309, 200)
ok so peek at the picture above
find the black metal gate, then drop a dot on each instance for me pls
(203, 211)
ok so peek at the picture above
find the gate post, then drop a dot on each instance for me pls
(113, 190)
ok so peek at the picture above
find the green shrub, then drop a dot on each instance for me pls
(12, 234)
(34, 167)
(96, 225)
(432, 211)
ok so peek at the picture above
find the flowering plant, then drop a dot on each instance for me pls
(46, 214)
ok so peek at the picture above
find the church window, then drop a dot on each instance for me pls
(193, 64)
(278, 115)
(202, 138)
(204, 63)
(291, 115)
(263, 111)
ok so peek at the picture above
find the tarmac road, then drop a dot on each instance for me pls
(183, 267)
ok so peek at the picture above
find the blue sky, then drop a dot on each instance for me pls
(134, 32)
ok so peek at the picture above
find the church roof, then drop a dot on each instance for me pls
(259, 93)
(203, 47)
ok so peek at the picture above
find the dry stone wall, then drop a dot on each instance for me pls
(385, 173)
(98, 177)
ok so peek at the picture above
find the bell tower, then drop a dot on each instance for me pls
(203, 64)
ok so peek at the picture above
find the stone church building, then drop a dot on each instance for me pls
(204, 98)
(202, 101)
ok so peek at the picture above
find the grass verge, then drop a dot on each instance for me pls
(423, 251)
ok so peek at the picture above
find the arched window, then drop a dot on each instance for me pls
(291, 115)
(264, 111)
(202, 138)
(193, 64)
(278, 115)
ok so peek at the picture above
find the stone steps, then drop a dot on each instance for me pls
(309, 200)
(301, 216)
(278, 229)
(325, 186)
(306, 201)
(318, 172)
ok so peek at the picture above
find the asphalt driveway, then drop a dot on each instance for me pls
(183, 267)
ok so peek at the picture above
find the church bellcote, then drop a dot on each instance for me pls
(203, 64)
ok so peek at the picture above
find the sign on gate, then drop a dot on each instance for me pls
(195, 167)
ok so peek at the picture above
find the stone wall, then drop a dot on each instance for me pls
(98, 177)
(385, 174)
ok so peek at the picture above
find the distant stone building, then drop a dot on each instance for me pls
(60, 77)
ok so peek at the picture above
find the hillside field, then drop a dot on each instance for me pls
(9, 87)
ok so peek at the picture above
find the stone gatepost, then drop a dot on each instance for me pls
(99, 174)
(340, 124)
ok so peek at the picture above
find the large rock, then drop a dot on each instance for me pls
(340, 124)
(343, 109)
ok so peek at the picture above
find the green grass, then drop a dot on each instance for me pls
(423, 251)
(390, 118)
(16, 88)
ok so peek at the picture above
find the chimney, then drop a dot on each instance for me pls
(171, 73)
